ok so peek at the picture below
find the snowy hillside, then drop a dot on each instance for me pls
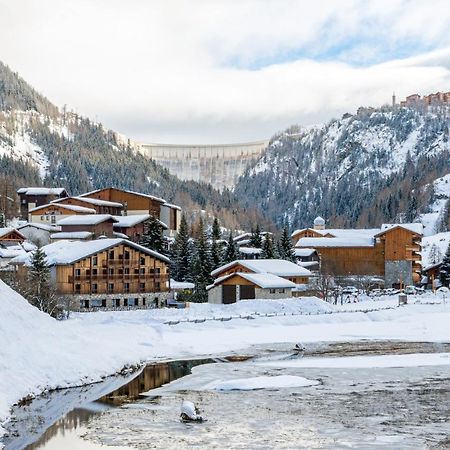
(358, 170)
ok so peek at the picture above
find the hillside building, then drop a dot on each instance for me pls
(104, 274)
(391, 252)
(32, 197)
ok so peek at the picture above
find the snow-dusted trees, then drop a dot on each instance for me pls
(444, 273)
(268, 252)
(152, 237)
(230, 252)
(285, 249)
(435, 255)
(182, 253)
(256, 238)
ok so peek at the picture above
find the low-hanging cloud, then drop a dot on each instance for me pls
(224, 71)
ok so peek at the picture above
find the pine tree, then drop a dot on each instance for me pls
(2, 219)
(285, 249)
(267, 248)
(216, 233)
(152, 237)
(444, 273)
(435, 255)
(182, 253)
(40, 293)
(202, 264)
(256, 239)
(230, 253)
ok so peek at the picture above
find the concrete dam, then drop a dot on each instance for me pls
(219, 165)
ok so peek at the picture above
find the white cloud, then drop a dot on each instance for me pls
(224, 70)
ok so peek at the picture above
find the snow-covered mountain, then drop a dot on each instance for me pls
(362, 170)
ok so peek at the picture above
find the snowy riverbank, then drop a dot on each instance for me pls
(38, 353)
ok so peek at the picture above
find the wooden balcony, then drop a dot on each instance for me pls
(120, 262)
(101, 278)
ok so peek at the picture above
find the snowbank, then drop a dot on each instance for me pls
(248, 384)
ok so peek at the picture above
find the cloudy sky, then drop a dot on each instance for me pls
(218, 71)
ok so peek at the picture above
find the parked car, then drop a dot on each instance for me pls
(349, 290)
(410, 290)
(376, 293)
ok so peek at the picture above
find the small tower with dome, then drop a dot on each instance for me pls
(319, 223)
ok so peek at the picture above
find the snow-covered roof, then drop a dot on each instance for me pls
(180, 285)
(72, 235)
(134, 219)
(6, 230)
(267, 280)
(414, 227)
(319, 221)
(336, 242)
(41, 226)
(91, 219)
(250, 250)
(41, 191)
(67, 252)
(75, 208)
(303, 252)
(172, 206)
(152, 197)
(279, 267)
(308, 264)
(120, 235)
(92, 201)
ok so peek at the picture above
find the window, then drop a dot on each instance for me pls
(120, 271)
(84, 303)
(42, 217)
(142, 270)
(94, 288)
(53, 219)
(94, 261)
(110, 271)
(126, 287)
(98, 303)
(141, 287)
(116, 302)
(127, 254)
(77, 287)
(94, 272)
(111, 254)
(110, 287)
(158, 270)
(77, 272)
(143, 301)
(272, 291)
(127, 271)
(281, 291)
(142, 261)
(136, 271)
(88, 272)
(125, 302)
(157, 286)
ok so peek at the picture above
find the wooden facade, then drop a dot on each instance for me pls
(11, 236)
(33, 197)
(99, 209)
(134, 202)
(121, 269)
(51, 213)
(104, 228)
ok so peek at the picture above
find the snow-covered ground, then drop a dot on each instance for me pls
(38, 353)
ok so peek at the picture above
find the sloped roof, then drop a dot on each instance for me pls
(72, 235)
(64, 252)
(6, 230)
(92, 201)
(134, 219)
(414, 227)
(152, 197)
(267, 280)
(335, 242)
(278, 267)
(304, 252)
(41, 226)
(74, 208)
(90, 219)
(41, 191)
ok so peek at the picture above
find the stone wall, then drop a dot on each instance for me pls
(151, 300)
(266, 294)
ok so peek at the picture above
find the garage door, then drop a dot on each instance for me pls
(247, 292)
(228, 294)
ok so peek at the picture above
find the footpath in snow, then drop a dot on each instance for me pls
(39, 353)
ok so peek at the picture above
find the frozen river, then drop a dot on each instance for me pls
(361, 395)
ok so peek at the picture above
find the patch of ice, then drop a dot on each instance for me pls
(249, 384)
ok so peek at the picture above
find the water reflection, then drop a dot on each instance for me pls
(58, 414)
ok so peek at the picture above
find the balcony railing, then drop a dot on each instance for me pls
(120, 262)
(133, 277)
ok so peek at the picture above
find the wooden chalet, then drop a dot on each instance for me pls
(105, 274)
(391, 252)
(259, 278)
(51, 213)
(31, 197)
(11, 236)
(132, 226)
